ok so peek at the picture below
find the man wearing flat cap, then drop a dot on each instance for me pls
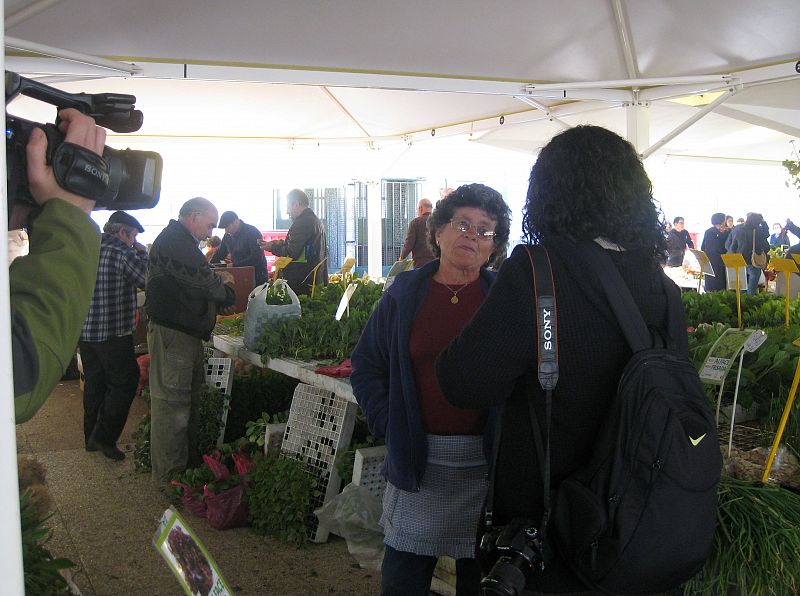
(241, 243)
(110, 371)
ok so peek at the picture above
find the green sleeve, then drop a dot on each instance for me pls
(52, 289)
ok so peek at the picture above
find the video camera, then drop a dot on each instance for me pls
(123, 179)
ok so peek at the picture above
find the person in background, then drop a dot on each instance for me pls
(714, 246)
(752, 236)
(184, 296)
(729, 222)
(416, 242)
(667, 228)
(435, 465)
(241, 242)
(212, 244)
(779, 237)
(110, 370)
(51, 287)
(305, 244)
(588, 189)
(678, 240)
(735, 232)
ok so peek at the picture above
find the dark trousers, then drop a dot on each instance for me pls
(407, 574)
(111, 375)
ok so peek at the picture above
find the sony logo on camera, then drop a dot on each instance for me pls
(93, 171)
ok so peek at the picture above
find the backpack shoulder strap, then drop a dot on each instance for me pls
(619, 298)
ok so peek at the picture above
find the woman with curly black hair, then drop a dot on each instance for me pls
(435, 463)
(588, 188)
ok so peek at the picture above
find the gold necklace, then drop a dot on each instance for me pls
(454, 299)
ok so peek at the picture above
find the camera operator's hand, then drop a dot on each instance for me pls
(78, 129)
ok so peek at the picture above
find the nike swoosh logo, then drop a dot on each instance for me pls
(696, 442)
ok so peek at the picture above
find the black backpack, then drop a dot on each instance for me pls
(640, 517)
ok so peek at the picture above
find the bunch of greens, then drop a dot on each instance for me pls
(345, 458)
(213, 403)
(277, 294)
(256, 430)
(41, 569)
(756, 545)
(317, 335)
(231, 325)
(141, 445)
(280, 497)
(759, 311)
(262, 391)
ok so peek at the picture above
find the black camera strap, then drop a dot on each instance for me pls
(547, 371)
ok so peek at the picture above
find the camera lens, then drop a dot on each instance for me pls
(507, 577)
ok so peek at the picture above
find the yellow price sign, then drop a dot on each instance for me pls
(348, 264)
(736, 261)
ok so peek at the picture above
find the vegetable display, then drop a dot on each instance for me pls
(317, 335)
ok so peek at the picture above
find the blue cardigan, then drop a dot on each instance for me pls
(383, 377)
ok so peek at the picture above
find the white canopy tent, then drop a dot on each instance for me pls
(395, 74)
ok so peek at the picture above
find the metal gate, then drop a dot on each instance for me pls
(398, 207)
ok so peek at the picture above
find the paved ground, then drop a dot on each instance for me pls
(106, 515)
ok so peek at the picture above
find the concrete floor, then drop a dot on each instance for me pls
(106, 516)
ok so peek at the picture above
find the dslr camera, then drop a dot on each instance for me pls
(122, 179)
(517, 551)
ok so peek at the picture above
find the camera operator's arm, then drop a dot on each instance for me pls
(51, 287)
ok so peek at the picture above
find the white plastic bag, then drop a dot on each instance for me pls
(259, 314)
(354, 514)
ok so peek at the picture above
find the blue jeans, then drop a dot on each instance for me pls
(407, 574)
(753, 275)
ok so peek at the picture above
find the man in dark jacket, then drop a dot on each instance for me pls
(184, 296)
(416, 242)
(305, 244)
(677, 241)
(714, 246)
(241, 243)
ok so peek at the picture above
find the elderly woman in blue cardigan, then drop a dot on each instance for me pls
(436, 454)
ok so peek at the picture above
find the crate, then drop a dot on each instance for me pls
(219, 375)
(320, 424)
(367, 469)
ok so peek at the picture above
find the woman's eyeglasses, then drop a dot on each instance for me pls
(464, 226)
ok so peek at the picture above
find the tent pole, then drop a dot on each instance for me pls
(625, 38)
(11, 550)
(669, 136)
(37, 48)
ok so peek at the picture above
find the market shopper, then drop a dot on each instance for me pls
(241, 242)
(51, 287)
(305, 244)
(714, 246)
(435, 464)
(416, 242)
(588, 188)
(678, 240)
(752, 236)
(110, 370)
(184, 296)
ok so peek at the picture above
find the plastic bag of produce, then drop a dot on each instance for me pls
(192, 498)
(266, 305)
(226, 509)
(354, 514)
